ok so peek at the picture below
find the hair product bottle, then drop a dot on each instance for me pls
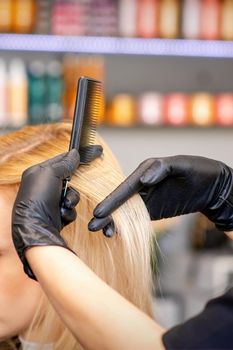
(210, 19)
(191, 16)
(224, 109)
(54, 91)
(5, 16)
(104, 20)
(71, 74)
(202, 109)
(127, 18)
(43, 16)
(24, 16)
(37, 92)
(150, 108)
(18, 93)
(148, 18)
(169, 18)
(73, 68)
(69, 17)
(226, 25)
(176, 109)
(122, 110)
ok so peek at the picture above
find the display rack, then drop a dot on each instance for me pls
(116, 45)
(216, 60)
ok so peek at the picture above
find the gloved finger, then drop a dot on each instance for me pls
(48, 162)
(97, 224)
(158, 171)
(164, 167)
(90, 153)
(123, 192)
(109, 230)
(67, 215)
(71, 198)
(67, 165)
(53, 160)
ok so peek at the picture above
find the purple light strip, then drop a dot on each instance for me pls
(122, 46)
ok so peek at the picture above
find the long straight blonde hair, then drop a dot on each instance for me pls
(123, 261)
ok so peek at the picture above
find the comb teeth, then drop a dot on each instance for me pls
(92, 114)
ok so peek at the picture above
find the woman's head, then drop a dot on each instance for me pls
(122, 261)
(18, 294)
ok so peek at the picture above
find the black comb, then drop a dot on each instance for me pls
(88, 111)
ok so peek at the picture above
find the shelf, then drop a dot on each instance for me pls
(116, 46)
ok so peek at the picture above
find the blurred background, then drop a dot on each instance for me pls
(167, 69)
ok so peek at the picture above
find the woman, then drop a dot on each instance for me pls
(123, 262)
(96, 314)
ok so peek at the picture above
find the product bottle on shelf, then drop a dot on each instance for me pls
(54, 110)
(148, 18)
(176, 109)
(74, 67)
(127, 18)
(103, 18)
(226, 24)
(210, 19)
(191, 19)
(5, 16)
(224, 109)
(43, 16)
(122, 111)
(3, 94)
(23, 16)
(37, 93)
(92, 66)
(150, 108)
(18, 93)
(70, 17)
(202, 109)
(169, 19)
(70, 85)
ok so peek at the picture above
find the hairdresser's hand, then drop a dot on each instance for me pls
(174, 186)
(40, 212)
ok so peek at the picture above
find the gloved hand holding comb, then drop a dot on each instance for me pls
(39, 212)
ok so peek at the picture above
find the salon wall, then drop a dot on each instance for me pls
(133, 145)
(135, 74)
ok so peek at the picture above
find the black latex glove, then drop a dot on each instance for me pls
(174, 186)
(40, 211)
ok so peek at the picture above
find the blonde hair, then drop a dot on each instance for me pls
(122, 261)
